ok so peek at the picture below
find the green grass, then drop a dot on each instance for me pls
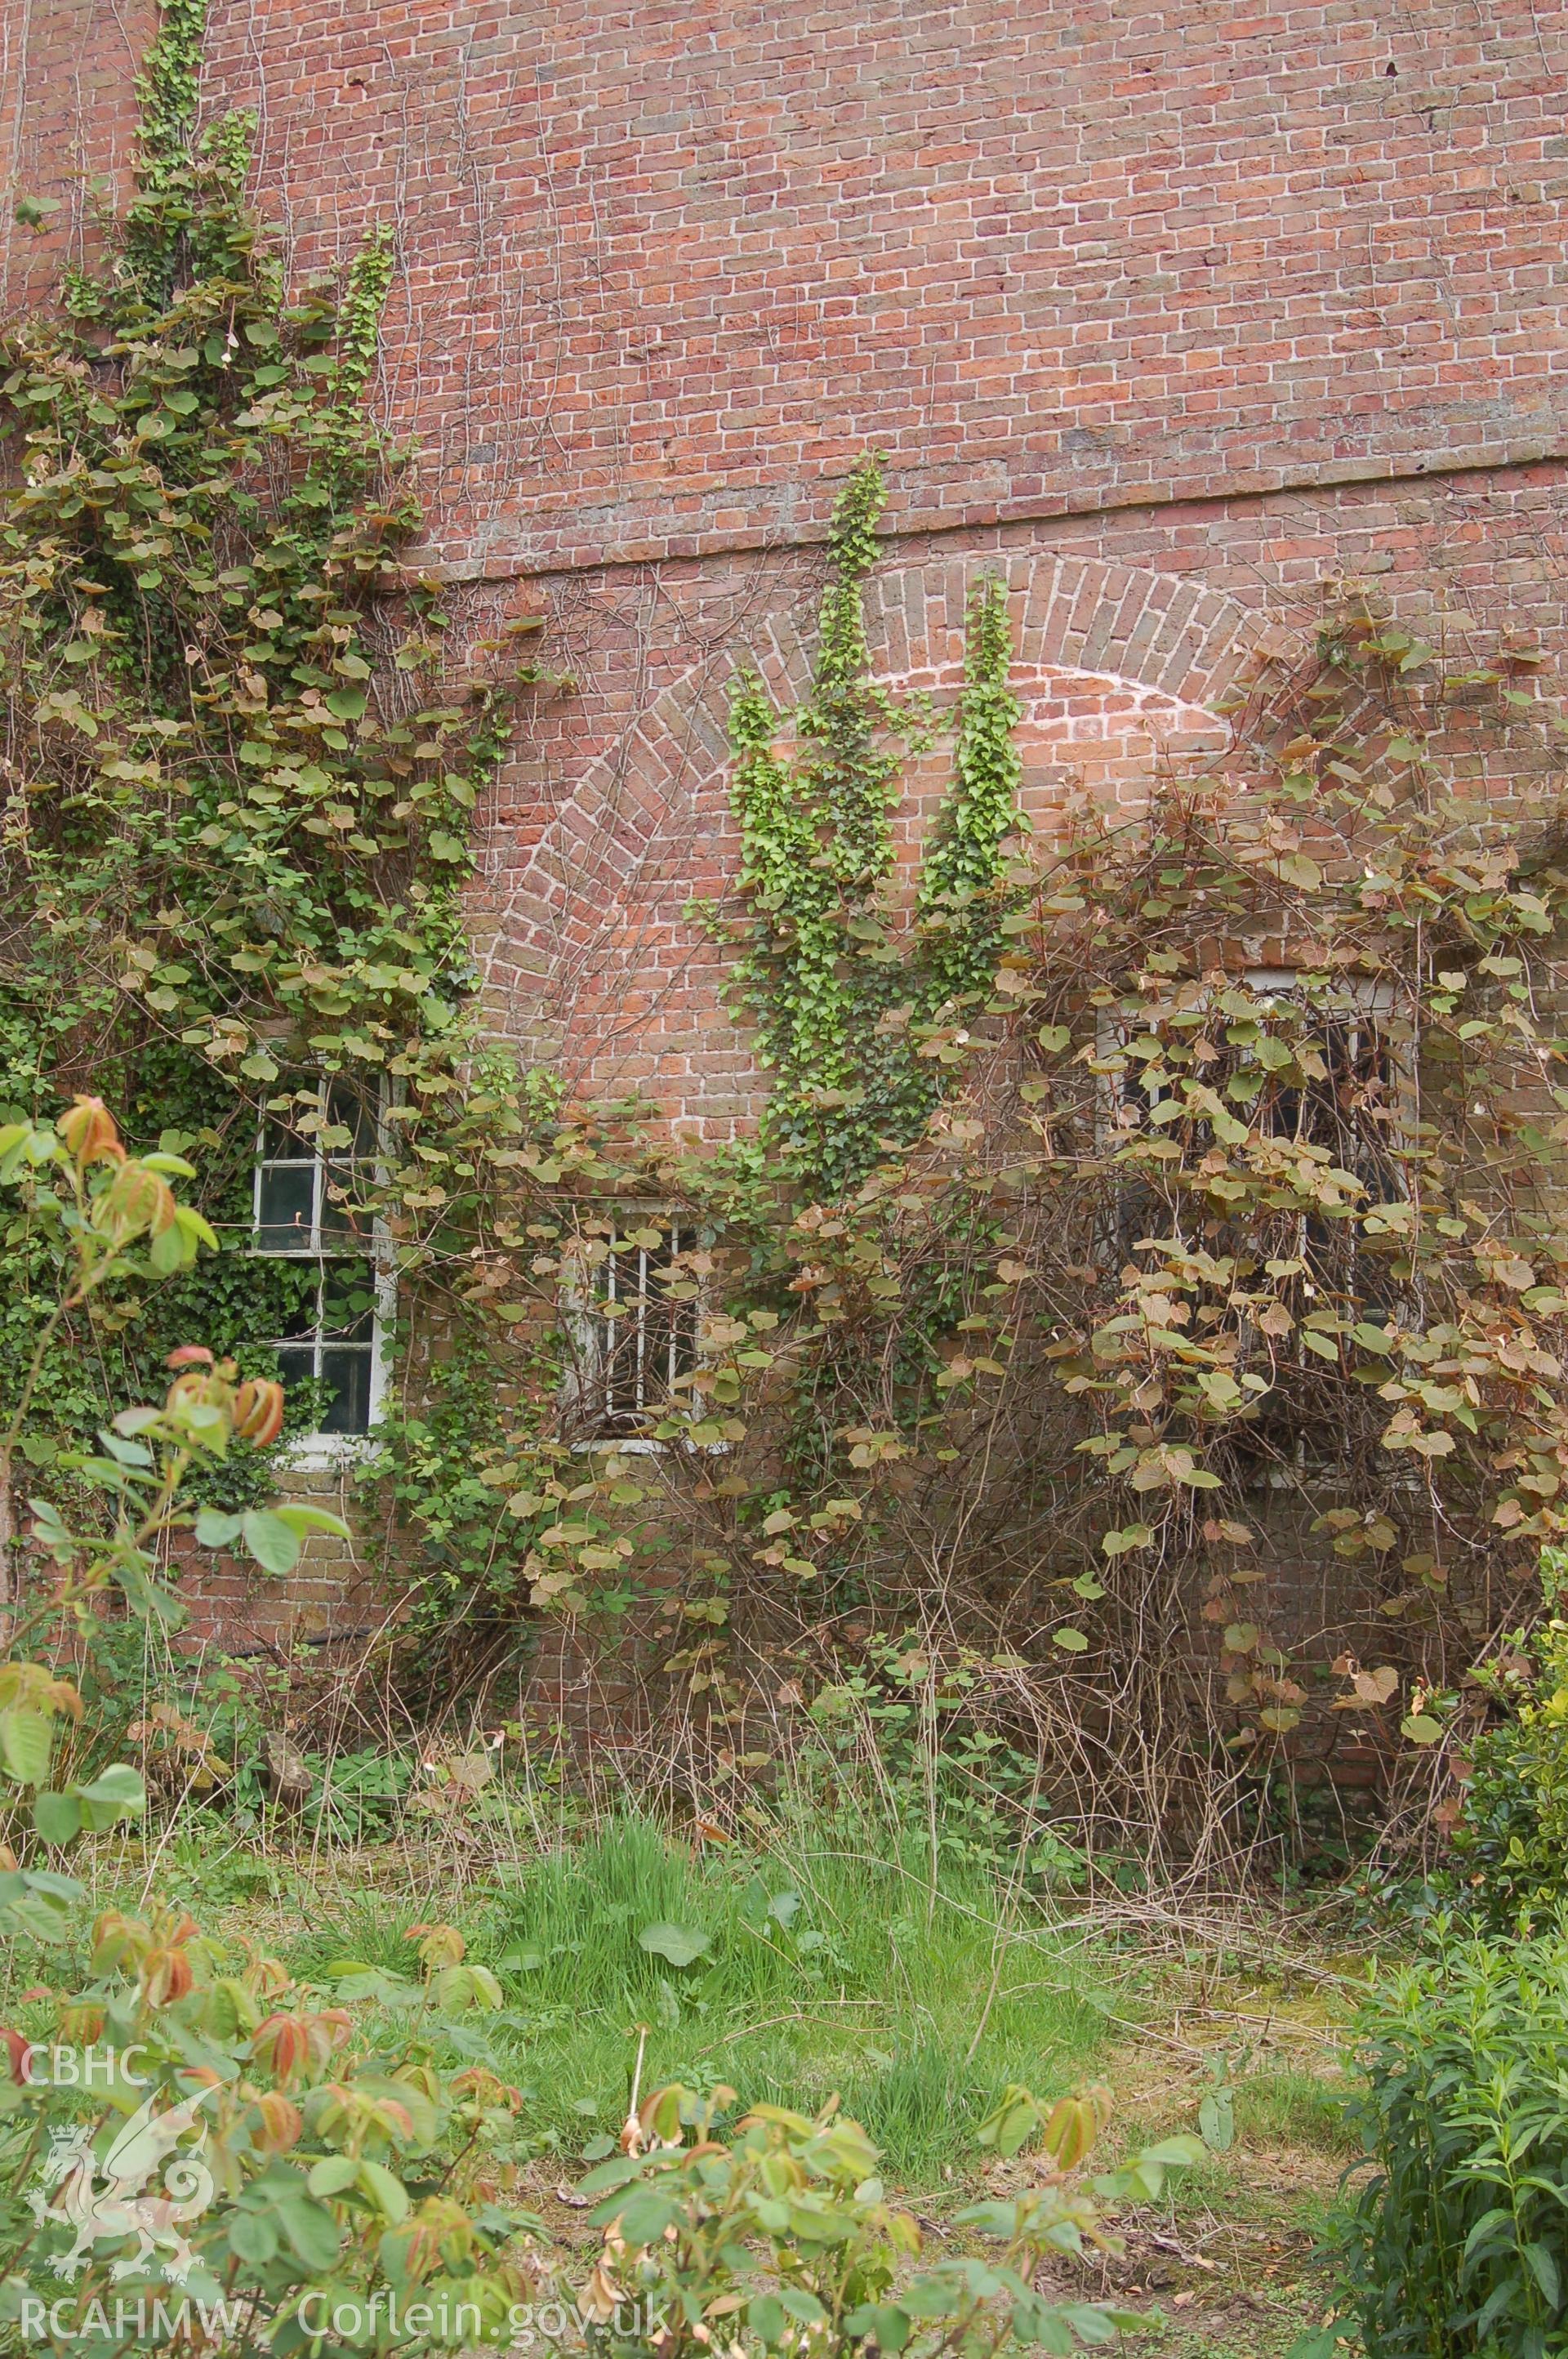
(1296, 2107)
(830, 1960)
(831, 1966)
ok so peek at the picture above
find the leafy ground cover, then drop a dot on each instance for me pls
(829, 1959)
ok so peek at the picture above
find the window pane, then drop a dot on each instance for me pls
(285, 1203)
(650, 1342)
(345, 1370)
(281, 1143)
(348, 1302)
(339, 1218)
(669, 1329)
(297, 1101)
(300, 1322)
(619, 1392)
(296, 1364)
(348, 1105)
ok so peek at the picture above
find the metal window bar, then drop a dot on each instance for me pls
(1356, 1054)
(644, 1351)
(1363, 1079)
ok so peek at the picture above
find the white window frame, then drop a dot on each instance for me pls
(307, 1452)
(592, 1334)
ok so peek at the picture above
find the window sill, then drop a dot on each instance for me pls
(642, 1445)
(630, 1445)
(321, 1453)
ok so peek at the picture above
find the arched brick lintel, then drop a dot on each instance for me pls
(1161, 632)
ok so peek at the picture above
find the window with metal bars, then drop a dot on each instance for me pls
(309, 1161)
(1347, 1095)
(1332, 1081)
(636, 1323)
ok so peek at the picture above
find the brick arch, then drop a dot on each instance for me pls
(1158, 631)
(581, 940)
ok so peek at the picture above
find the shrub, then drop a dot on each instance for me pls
(182, 2126)
(242, 2148)
(1454, 2243)
(1508, 1841)
(784, 2236)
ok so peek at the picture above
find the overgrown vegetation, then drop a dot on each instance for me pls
(1456, 2241)
(164, 2012)
(813, 1956)
(1510, 1816)
(847, 1021)
(306, 2164)
(1130, 1365)
(1163, 1201)
(239, 768)
(1229, 1274)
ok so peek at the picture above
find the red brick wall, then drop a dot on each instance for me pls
(67, 115)
(332, 1605)
(1220, 304)
(665, 266)
(617, 815)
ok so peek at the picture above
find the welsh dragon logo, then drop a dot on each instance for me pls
(103, 2202)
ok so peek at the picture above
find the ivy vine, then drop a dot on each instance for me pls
(856, 1015)
(239, 769)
